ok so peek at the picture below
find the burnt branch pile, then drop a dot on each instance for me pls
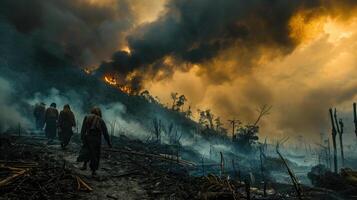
(30, 171)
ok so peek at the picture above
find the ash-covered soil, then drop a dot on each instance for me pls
(131, 170)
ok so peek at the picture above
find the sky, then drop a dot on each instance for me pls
(319, 73)
(301, 86)
(229, 56)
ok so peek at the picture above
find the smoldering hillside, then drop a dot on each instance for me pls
(44, 45)
(224, 40)
(33, 70)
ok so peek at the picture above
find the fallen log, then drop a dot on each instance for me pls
(16, 172)
(158, 156)
(111, 197)
(293, 178)
(18, 164)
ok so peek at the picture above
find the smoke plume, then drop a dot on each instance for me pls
(196, 32)
(230, 56)
(87, 31)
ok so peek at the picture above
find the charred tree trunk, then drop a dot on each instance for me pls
(355, 117)
(262, 171)
(294, 180)
(233, 122)
(247, 189)
(222, 164)
(341, 142)
(326, 157)
(339, 128)
(329, 153)
(334, 133)
(342, 154)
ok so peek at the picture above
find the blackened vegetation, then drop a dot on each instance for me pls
(339, 177)
(247, 135)
(293, 178)
(247, 138)
(344, 182)
(29, 171)
(48, 176)
(244, 136)
(210, 126)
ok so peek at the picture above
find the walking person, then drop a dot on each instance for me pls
(93, 127)
(39, 114)
(51, 118)
(66, 123)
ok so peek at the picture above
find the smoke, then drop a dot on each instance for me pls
(87, 31)
(236, 54)
(61, 98)
(113, 113)
(40, 58)
(118, 123)
(301, 87)
(197, 32)
(10, 112)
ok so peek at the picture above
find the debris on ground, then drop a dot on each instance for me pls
(31, 169)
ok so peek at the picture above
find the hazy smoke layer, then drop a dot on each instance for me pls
(44, 42)
(197, 31)
(113, 113)
(10, 112)
(87, 31)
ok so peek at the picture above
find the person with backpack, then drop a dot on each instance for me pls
(93, 127)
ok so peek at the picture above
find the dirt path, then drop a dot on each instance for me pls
(132, 170)
(107, 184)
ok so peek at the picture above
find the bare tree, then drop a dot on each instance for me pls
(339, 128)
(334, 133)
(263, 110)
(262, 169)
(355, 117)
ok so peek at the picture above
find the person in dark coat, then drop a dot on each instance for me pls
(66, 121)
(39, 113)
(93, 127)
(51, 117)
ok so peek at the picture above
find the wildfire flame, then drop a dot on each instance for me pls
(110, 80)
(126, 89)
(113, 81)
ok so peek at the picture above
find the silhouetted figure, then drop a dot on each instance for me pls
(39, 113)
(66, 121)
(51, 118)
(93, 128)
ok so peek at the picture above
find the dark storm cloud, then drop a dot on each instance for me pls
(88, 33)
(196, 31)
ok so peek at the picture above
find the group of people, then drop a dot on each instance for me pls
(54, 122)
(63, 123)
